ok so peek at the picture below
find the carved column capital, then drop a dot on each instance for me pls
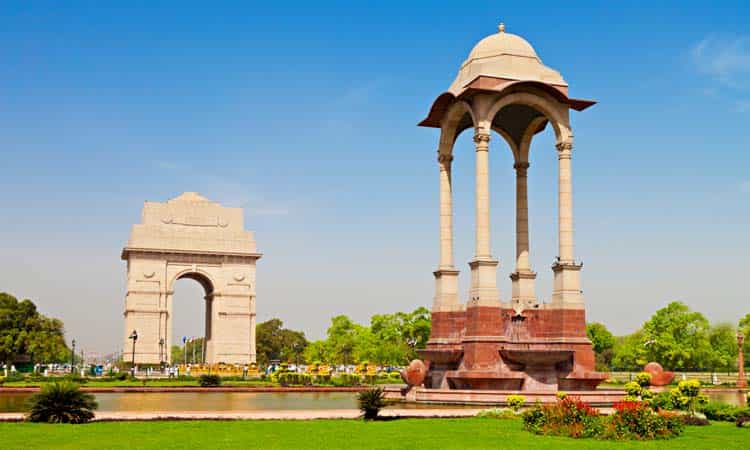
(482, 141)
(444, 159)
(564, 149)
(521, 167)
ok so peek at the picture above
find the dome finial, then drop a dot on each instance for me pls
(501, 27)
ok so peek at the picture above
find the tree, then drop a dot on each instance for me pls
(744, 325)
(316, 351)
(723, 339)
(398, 336)
(24, 331)
(391, 339)
(602, 341)
(273, 341)
(415, 329)
(347, 341)
(191, 347)
(628, 352)
(675, 337)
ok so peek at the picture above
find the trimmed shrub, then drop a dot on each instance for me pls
(121, 376)
(62, 402)
(13, 378)
(638, 390)
(75, 378)
(346, 379)
(516, 402)
(632, 391)
(294, 379)
(207, 380)
(664, 401)
(643, 379)
(497, 413)
(687, 396)
(723, 412)
(321, 379)
(371, 401)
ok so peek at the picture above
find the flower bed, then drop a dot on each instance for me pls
(630, 420)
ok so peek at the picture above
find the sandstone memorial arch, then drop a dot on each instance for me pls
(190, 237)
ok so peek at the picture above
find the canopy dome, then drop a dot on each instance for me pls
(502, 43)
(508, 56)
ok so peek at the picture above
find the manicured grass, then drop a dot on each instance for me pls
(333, 434)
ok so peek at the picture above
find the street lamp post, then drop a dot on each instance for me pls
(741, 381)
(134, 337)
(162, 353)
(73, 356)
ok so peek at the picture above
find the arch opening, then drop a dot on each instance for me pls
(191, 334)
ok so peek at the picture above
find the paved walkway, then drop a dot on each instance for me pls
(265, 415)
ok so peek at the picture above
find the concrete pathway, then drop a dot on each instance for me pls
(105, 416)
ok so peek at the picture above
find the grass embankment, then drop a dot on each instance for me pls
(333, 434)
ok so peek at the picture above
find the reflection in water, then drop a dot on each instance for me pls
(14, 402)
(247, 401)
(224, 401)
(731, 397)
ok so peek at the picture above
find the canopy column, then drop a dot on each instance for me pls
(567, 286)
(522, 294)
(483, 266)
(446, 276)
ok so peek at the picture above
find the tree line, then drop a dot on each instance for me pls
(676, 337)
(389, 339)
(26, 334)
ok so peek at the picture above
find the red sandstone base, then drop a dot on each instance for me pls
(539, 351)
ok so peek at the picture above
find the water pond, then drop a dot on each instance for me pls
(244, 401)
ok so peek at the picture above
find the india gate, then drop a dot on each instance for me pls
(190, 237)
(493, 341)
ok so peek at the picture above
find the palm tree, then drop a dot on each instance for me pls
(62, 402)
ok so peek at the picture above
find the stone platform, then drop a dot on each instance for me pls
(495, 348)
(598, 397)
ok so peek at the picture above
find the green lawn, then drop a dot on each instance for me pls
(333, 434)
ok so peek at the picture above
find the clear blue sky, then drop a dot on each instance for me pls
(305, 115)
